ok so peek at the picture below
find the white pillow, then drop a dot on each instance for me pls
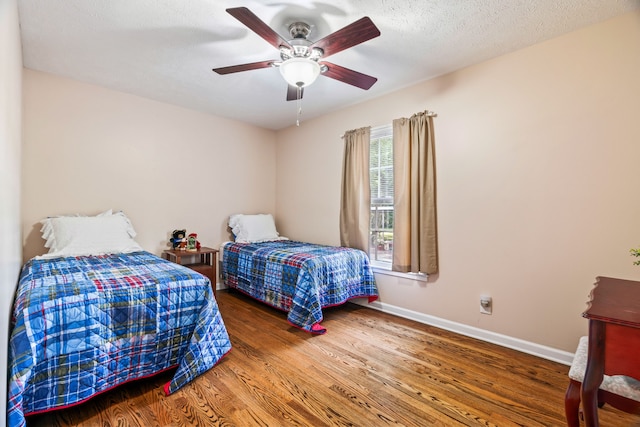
(81, 235)
(47, 229)
(254, 228)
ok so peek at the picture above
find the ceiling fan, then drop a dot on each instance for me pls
(302, 60)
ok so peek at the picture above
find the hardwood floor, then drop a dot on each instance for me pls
(369, 369)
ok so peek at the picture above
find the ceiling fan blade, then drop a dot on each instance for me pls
(243, 67)
(292, 93)
(353, 34)
(348, 76)
(256, 25)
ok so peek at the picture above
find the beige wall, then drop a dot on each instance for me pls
(537, 164)
(88, 149)
(10, 125)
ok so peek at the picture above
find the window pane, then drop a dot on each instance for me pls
(374, 157)
(381, 182)
(386, 185)
(386, 152)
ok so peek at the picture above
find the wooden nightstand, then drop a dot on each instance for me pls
(204, 261)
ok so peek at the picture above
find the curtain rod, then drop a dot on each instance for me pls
(427, 112)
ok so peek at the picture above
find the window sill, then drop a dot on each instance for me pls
(380, 268)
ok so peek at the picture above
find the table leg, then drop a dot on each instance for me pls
(594, 373)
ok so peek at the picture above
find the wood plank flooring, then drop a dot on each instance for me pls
(369, 369)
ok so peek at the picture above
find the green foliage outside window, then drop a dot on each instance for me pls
(636, 253)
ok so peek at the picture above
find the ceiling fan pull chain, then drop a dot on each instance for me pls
(299, 105)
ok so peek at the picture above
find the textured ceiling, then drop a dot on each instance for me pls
(165, 49)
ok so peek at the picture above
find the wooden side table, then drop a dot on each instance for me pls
(204, 261)
(614, 339)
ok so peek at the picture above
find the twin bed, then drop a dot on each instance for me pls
(98, 311)
(296, 277)
(88, 318)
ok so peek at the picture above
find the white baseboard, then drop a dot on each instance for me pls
(542, 351)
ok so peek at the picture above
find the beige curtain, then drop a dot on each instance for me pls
(415, 237)
(356, 196)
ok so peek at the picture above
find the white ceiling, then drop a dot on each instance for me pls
(165, 49)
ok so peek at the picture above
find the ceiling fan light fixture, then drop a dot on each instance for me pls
(300, 72)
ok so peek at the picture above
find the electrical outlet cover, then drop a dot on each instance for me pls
(486, 304)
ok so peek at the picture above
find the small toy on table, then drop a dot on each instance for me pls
(177, 239)
(193, 244)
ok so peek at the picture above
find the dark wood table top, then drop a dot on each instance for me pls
(615, 301)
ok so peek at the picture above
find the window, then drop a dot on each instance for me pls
(381, 185)
(401, 236)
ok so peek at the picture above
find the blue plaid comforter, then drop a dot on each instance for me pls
(83, 325)
(299, 278)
